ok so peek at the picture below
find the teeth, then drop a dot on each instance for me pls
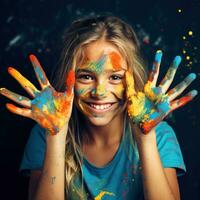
(100, 107)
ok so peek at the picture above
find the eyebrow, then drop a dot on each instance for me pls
(93, 71)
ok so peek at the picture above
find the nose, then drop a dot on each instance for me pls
(99, 91)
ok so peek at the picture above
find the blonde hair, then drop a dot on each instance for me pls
(82, 32)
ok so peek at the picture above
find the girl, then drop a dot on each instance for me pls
(102, 136)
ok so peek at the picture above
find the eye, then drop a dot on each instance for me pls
(116, 78)
(85, 77)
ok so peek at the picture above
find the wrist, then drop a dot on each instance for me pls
(144, 139)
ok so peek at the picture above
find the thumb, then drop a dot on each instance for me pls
(130, 86)
(70, 81)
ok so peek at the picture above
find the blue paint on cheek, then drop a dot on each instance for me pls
(177, 61)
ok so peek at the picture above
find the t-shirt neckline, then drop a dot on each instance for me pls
(115, 158)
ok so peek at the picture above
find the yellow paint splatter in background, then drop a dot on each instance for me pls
(190, 33)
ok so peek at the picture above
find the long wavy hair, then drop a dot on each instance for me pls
(82, 32)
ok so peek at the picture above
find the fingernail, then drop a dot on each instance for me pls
(191, 77)
(32, 57)
(193, 93)
(10, 69)
(177, 61)
(158, 56)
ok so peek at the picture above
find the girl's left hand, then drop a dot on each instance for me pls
(151, 106)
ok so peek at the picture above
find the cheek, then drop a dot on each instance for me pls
(82, 91)
(118, 90)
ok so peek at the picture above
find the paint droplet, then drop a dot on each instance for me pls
(190, 33)
(184, 51)
(179, 10)
(187, 57)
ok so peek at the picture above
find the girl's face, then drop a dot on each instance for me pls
(100, 87)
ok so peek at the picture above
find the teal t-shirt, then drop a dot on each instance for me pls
(121, 177)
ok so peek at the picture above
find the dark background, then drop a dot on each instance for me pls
(37, 26)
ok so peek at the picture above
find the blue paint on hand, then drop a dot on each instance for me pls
(177, 61)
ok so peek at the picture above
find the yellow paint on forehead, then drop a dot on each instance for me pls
(104, 63)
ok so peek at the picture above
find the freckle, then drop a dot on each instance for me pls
(116, 60)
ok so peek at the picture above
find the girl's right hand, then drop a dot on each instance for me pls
(49, 108)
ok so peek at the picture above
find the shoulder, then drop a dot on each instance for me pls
(164, 130)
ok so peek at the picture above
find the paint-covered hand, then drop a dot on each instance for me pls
(151, 106)
(49, 108)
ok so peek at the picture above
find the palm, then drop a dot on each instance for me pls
(149, 107)
(49, 108)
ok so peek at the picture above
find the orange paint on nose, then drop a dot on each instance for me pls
(116, 60)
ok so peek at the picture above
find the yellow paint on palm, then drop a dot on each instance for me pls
(136, 102)
(136, 107)
(102, 193)
(148, 90)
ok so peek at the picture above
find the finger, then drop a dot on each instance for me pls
(167, 80)
(25, 83)
(40, 74)
(16, 97)
(130, 86)
(183, 100)
(19, 111)
(153, 75)
(70, 81)
(176, 91)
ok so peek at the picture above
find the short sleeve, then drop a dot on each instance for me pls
(169, 148)
(34, 152)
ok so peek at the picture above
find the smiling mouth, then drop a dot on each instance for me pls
(99, 107)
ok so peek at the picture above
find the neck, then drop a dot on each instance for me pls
(105, 135)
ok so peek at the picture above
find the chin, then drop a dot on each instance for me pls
(99, 121)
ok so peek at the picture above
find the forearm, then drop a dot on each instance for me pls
(51, 183)
(155, 183)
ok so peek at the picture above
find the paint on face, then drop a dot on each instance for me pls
(96, 67)
(102, 71)
(115, 60)
(112, 61)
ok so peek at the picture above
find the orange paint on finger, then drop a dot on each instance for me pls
(11, 107)
(70, 81)
(34, 60)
